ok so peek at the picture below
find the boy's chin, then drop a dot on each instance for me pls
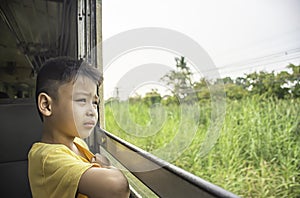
(85, 134)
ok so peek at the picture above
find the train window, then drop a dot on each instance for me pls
(138, 189)
(32, 32)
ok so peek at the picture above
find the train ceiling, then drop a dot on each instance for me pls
(32, 31)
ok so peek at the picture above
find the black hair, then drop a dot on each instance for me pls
(61, 70)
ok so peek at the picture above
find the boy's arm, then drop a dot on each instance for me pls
(103, 182)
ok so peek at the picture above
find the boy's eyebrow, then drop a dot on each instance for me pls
(86, 94)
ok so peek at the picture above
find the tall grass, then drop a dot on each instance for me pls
(257, 153)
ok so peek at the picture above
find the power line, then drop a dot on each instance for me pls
(267, 63)
(253, 63)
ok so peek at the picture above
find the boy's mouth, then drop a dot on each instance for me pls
(89, 124)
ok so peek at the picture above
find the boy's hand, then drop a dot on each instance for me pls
(101, 160)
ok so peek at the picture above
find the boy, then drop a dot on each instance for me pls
(61, 164)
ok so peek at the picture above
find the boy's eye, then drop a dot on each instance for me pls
(82, 100)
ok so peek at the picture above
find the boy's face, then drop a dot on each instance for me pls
(76, 108)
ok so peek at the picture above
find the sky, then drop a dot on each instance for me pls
(240, 36)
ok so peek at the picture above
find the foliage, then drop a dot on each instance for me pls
(267, 84)
(202, 89)
(258, 150)
(152, 97)
(179, 79)
(294, 79)
(257, 153)
(271, 85)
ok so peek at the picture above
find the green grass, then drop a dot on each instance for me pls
(257, 153)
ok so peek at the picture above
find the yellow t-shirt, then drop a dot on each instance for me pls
(54, 170)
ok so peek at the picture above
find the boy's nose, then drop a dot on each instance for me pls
(91, 112)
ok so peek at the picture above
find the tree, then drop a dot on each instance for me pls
(241, 81)
(169, 100)
(201, 87)
(135, 99)
(152, 97)
(234, 89)
(294, 79)
(267, 84)
(180, 79)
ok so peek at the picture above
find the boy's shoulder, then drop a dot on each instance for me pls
(43, 149)
(40, 149)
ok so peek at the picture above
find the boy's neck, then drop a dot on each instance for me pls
(57, 138)
(65, 141)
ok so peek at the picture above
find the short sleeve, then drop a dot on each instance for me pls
(62, 171)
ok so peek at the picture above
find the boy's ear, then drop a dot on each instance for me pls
(45, 104)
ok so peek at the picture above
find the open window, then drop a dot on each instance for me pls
(34, 31)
